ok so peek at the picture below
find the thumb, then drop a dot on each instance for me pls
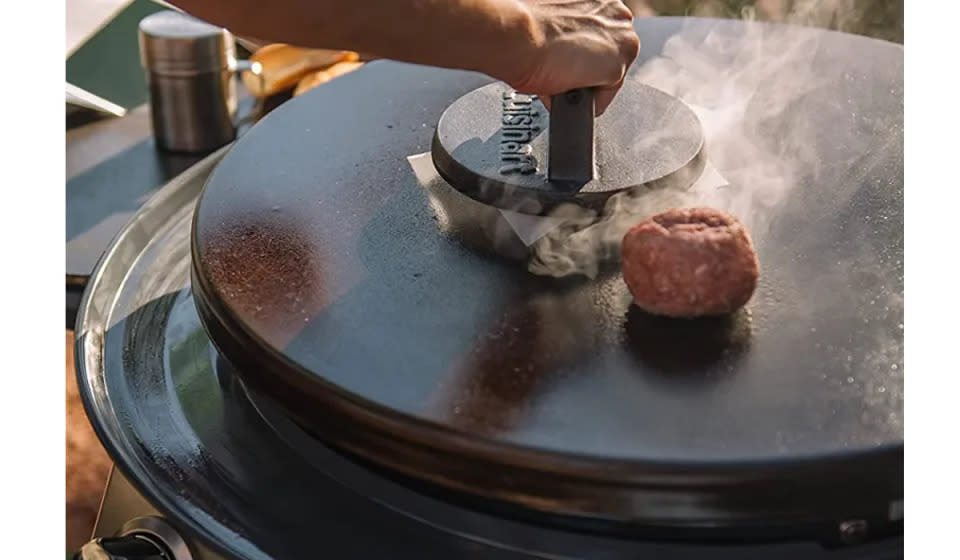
(604, 96)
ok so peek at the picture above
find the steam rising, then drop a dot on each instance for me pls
(874, 18)
(739, 80)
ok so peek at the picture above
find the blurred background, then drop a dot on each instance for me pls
(881, 19)
(102, 58)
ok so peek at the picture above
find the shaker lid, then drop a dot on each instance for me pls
(175, 42)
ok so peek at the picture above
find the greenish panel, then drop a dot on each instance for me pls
(191, 369)
(108, 64)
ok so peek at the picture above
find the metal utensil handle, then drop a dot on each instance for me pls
(571, 142)
(142, 538)
(130, 547)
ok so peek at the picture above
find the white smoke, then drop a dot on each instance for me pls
(737, 79)
(882, 19)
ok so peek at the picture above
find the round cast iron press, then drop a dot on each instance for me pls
(503, 152)
(325, 273)
(505, 149)
(505, 157)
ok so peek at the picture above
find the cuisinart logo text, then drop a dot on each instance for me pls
(520, 123)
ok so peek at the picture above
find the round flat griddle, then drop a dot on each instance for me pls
(323, 271)
(241, 478)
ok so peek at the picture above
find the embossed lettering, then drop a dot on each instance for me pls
(513, 120)
(517, 135)
(524, 165)
(515, 148)
(518, 127)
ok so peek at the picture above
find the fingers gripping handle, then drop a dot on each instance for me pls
(571, 143)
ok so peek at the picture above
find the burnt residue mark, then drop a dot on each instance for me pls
(267, 269)
(495, 385)
(687, 350)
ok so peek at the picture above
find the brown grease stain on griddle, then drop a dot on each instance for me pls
(496, 382)
(270, 271)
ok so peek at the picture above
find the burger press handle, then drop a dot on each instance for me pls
(570, 158)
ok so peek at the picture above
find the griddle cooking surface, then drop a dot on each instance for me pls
(177, 424)
(323, 267)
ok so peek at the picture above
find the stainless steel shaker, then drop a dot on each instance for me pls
(190, 69)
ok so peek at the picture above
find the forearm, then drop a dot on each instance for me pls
(480, 35)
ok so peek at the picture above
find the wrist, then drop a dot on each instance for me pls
(513, 57)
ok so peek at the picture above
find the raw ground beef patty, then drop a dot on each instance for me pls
(690, 262)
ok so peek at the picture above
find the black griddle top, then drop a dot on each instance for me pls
(321, 272)
(178, 424)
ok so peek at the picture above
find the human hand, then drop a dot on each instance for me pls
(541, 47)
(578, 43)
